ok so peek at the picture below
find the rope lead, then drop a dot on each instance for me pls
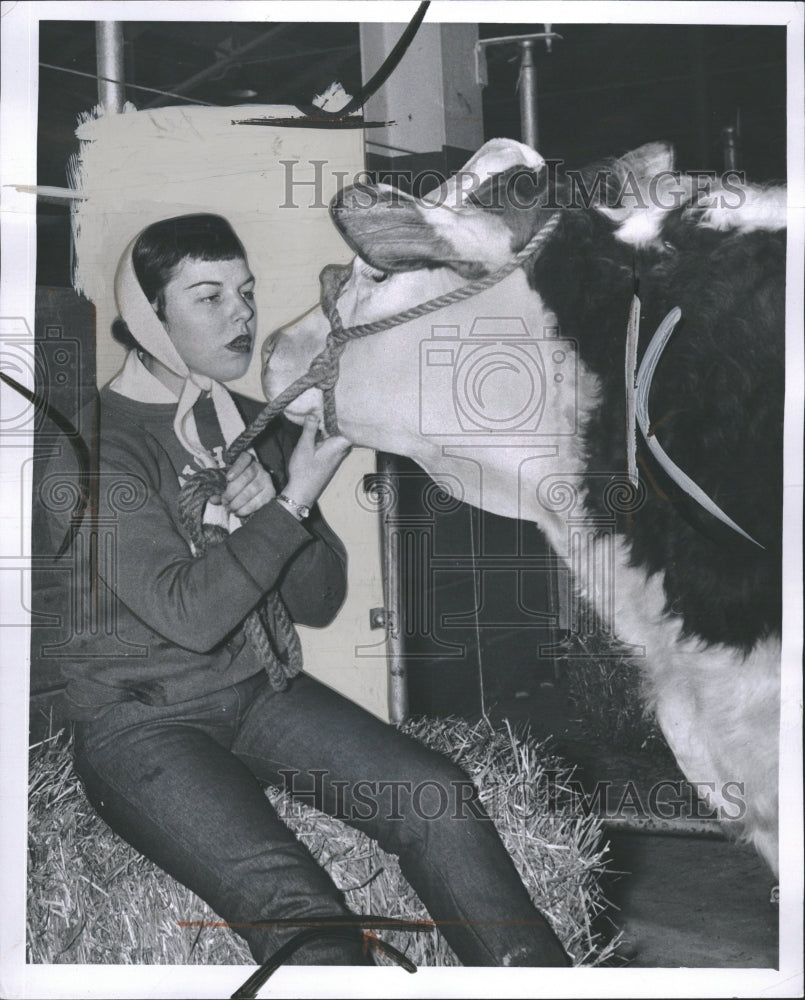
(268, 628)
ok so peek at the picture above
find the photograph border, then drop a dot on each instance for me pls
(18, 134)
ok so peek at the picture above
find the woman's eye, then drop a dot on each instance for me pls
(215, 297)
(249, 296)
(378, 277)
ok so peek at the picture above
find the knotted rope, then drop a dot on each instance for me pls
(269, 627)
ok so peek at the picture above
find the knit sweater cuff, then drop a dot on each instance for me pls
(266, 542)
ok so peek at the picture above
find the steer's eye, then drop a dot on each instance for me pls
(379, 276)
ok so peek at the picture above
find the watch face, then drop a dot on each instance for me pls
(301, 510)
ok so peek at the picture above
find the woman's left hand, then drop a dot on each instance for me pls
(249, 486)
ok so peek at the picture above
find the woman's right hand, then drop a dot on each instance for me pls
(312, 465)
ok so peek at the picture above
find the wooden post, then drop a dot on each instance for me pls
(432, 98)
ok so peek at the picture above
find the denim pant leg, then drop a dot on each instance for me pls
(415, 803)
(166, 781)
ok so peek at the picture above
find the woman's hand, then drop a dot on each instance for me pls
(249, 486)
(312, 465)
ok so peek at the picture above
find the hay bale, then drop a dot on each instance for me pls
(93, 899)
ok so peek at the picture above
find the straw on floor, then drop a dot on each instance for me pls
(92, 899)
(605, 686)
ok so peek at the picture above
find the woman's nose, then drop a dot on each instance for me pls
(242, 309)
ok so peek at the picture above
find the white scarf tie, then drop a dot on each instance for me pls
(148, 331)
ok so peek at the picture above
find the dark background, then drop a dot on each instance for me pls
(604, 89)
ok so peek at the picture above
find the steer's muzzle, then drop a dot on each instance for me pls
(286, 356)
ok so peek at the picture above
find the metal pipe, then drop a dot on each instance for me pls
(656, 826)
(389, 516)
(528, 93)
(731, 142)
(111, 74)
(546, 36)
(527, 81)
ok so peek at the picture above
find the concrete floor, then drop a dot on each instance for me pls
(694, 903)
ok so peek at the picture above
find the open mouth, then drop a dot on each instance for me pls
(241, 344)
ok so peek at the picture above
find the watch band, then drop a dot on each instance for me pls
(299, 510)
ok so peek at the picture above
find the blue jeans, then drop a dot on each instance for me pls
(182, 784)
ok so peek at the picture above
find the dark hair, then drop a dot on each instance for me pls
(163, 245)
(124, 336)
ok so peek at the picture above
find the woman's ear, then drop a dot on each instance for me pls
(158, 305)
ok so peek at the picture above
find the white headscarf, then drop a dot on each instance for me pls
(148, 331)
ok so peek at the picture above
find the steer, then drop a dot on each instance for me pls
(519, 400)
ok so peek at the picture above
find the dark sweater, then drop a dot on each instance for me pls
(168, 623)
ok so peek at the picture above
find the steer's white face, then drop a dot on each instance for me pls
(474, 392)
(480, 393)
(380, 376)
(373, 369)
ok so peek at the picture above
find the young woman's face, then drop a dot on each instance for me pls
(210, 315)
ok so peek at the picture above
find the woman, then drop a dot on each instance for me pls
(174, 739)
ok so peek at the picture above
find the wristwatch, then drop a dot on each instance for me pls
(299, 510)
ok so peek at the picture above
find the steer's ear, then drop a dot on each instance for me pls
(493, 158)
(647, 161)
(642, 187)
(392, 231)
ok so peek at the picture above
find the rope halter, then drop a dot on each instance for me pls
(323, 370)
